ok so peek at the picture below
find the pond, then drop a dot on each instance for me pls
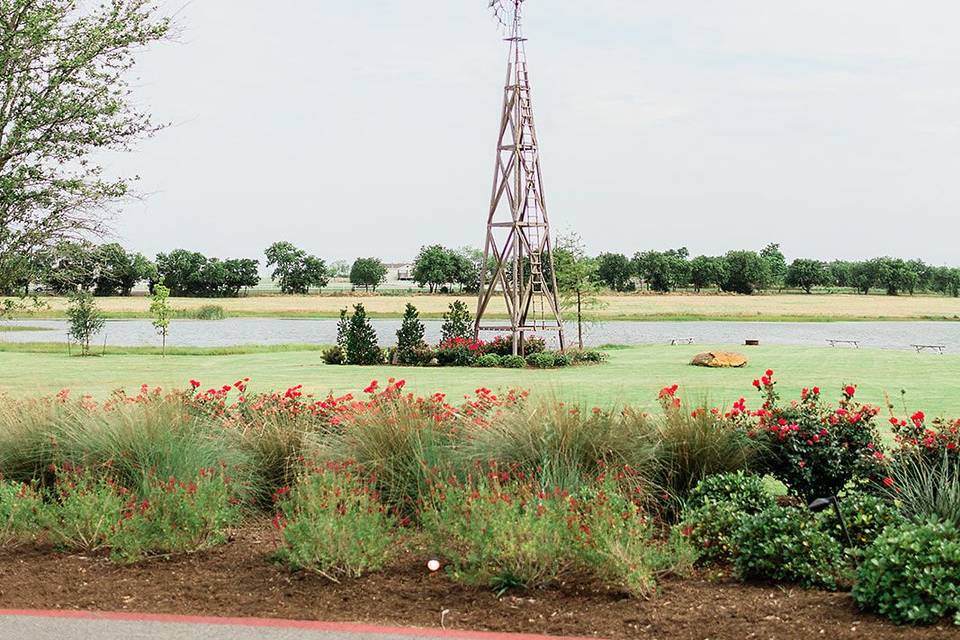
(241, 331)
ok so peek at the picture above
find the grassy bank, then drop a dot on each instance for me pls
(633, 375)
(786, 307)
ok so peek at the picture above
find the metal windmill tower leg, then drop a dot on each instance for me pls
(518, 237)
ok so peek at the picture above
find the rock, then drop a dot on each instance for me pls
(719, 360)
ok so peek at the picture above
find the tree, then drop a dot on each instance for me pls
(296, 272)
(663, 271)
(467, 267)
(776, 263)
(841, 273)
(807, 274)
(180, 271)
(410, 343)
(863, 275)
(66, 100)
(946, 280)
(119, 272)
(84, 319)
(456, 322)
(69, 266)
(188, 273)
(747, 272)
(367, 273)
(895, 275)
(576, 279)
(708, 271)
(360, 342)
(434, 267)
(615, 271)
(239, 273)
(161, 312)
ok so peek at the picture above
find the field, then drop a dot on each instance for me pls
(633, 376)
(623, 307)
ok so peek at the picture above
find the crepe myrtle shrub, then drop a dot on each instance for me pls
(784, 544)
(333, 523)
(716, 508)
(911, 573)
(813, 447)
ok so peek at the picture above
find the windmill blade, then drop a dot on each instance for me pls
(502, 10)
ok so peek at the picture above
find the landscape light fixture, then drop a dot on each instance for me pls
(822, 503)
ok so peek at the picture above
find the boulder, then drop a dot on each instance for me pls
(719, 360)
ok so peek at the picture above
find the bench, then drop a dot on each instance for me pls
(855, 343)
(939, 348)
(677, 341)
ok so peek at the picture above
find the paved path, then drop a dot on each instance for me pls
(73, 625)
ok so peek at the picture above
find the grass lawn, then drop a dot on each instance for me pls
(633, 375)
(796, 307)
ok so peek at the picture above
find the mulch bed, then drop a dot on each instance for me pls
(239, 579)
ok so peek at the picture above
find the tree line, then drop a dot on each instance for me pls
(748, 272)
(111, 270)
(71, 266)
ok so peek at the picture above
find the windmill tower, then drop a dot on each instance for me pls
(518, 230)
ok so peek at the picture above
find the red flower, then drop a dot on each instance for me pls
(850, 390)
(194, 383)
(888, 482)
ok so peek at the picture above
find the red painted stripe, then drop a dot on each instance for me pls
(307, 625)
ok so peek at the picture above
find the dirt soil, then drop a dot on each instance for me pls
(240, 579)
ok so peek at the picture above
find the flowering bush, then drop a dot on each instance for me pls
(813, 448)
(911, 573)
(783, 544)
(332, 522)
(20, 509)
(933, 440)
(459, 352)
(506, 532)
(503, 346)
(91, 512)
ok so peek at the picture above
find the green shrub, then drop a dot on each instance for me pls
(208, 312)
(334, 355)
(489, 360)
(459, 352)
(866, 516)
(513, 362)
(717, 507)
(588, 356)
(543, 360)
(926, 486)
(85, 512)
(783, 544)
(332, 523)
(911, 573)
(562, 360)
(20, 507)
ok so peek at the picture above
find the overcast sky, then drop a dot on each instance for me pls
(367, 127)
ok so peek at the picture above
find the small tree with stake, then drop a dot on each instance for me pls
(85, 320)
(457, 322)
(410, 344)
(160, 309)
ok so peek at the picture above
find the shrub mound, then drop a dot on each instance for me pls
(911, 573)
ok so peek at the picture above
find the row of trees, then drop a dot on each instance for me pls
(110, 270)
(747, 272)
